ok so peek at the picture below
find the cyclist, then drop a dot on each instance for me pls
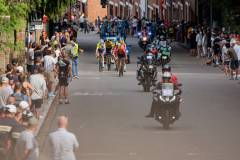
(100, 50)
(120, 53)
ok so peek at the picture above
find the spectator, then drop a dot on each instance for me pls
(64, 73)
(49, 67)
(5, 91)
(27, 88)
(81, 21)
(226, 58)
(11, 100)
(75, 59)
(86, 25)
(27, 145)
(63, 142)
(204, 44)
(237, 50)
(16, 128)
(18, 94)
(63, 39)
(39, 90)
(199, 43)
(234, 65)
(30, 58)
(193, 44)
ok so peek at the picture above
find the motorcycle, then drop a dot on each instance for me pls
(167, 103)
(143, 40)
(164, 55)
(148, 72)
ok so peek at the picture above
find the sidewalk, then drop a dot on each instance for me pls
(47, 104)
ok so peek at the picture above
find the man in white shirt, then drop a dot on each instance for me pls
(63, 143)
(237, 49)
(199, 38)
(27, 146)
(49, 67)
(38, 83)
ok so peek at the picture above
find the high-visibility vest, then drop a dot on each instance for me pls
(75, 50)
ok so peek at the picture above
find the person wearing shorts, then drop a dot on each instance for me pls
(64, 76)
(234, 64)
(39, 86)
(49, 67)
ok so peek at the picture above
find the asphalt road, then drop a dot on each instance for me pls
(107, 113)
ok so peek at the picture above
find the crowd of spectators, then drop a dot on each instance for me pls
(25, 87)
(216, 45)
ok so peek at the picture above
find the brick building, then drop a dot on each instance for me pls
(92, 9)
(169, 10)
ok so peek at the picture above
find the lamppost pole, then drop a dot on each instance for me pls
(211, 13)
(146, 8)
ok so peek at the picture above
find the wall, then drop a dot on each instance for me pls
(94, 9)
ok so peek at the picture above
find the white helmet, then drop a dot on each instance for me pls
(166, 75)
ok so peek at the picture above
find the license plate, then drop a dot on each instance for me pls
(150, 67)
(167, 92)
(149, 57)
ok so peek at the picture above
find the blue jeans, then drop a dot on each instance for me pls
(75, 66)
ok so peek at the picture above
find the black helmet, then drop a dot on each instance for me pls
(166, 68)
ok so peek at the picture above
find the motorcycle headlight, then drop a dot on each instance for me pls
(162, 99)
(144, 38)
(150, 67)
(173, 99)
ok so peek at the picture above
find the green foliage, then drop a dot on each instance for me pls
(18, 12)
(55, 9)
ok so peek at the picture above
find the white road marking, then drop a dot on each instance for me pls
(94, 94)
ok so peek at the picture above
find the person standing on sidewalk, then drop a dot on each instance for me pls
(38, 83)
(234, 64)
(63, 142)
(27, 145)
(204, 44)
(75, 58)
(64, 76)
(49, 67)
(30, 58)
(199, 38)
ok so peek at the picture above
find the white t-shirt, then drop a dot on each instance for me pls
(237, 50)
(49, 63)
(199, 39)
(28, 141)
(39, 84)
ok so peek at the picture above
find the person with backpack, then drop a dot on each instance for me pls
(64, 76)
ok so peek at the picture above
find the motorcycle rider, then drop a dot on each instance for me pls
(100, 50)
(142, 61)
(166, 78)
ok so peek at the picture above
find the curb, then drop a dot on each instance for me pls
(46, 107)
